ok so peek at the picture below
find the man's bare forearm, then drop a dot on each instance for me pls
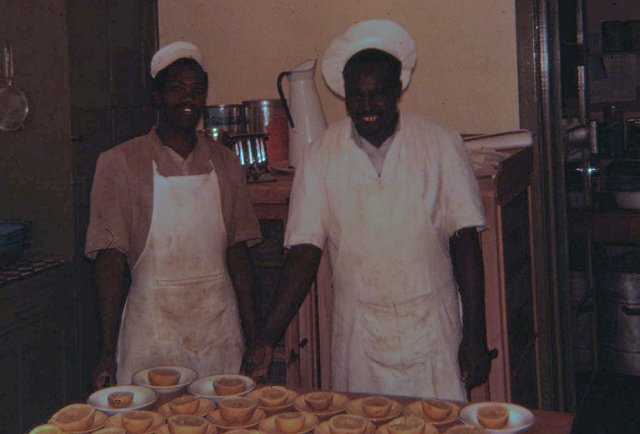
(241, 271)
(473, 355)
(466, 256)
(110, 268)
(297, 274)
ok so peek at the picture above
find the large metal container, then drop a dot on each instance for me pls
(267, 116)
(224, 118)
(619, 315)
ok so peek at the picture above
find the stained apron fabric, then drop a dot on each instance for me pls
(181, 308)
(396, 324)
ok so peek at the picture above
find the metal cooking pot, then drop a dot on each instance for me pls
(268, 116)
(224, 119)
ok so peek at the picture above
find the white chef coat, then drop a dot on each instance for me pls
(396, 322)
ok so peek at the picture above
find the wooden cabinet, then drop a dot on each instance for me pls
(39, 360)
(510, 308)
(509, 289)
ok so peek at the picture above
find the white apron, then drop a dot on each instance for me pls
(396, 320)
(181, 308)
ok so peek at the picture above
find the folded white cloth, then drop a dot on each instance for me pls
(484, 149)
(497, 141)
(483, 158)
(172, 52)
(383, 35)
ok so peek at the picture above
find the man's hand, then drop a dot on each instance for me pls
(473, 355)
(104, 375)
(257, 361)
(475, 362)
(110, 268)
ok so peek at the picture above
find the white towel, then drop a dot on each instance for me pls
(497, 141)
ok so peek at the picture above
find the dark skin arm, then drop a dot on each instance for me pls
(240, 269)
(301, 266)
(110, 267)
(473, 356)
(297, 274)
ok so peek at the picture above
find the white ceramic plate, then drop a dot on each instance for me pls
(338, 405)
(323, 428)
(158, 421)
(143, 397)
(428, 429)
(269, 424)
(216, 419)
(520, 419)
(291, 395)
(187, 376)
(164, 429)
(205, 406)
(98, 422)
(203, 387)
(355, 407)
(464, 429)
(415, 409)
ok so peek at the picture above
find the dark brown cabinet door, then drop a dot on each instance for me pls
(47, 373)
(9, 387)
(39, 357)
(110, 45)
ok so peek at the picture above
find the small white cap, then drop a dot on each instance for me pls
(172, 52)
(384, 35)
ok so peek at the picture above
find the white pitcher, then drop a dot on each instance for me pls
(306, 118)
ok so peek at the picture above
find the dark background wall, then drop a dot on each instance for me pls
(35, 162)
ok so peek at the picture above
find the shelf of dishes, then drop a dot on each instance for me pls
(233, 403)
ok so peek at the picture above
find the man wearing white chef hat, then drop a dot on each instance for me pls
(393, 197)
(173, 206)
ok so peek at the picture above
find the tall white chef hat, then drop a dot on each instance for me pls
(384, 35)
(172, 52)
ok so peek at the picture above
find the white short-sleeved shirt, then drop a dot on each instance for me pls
(451, 190)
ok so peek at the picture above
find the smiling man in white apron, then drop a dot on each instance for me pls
(173, 206)
(394, 198)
